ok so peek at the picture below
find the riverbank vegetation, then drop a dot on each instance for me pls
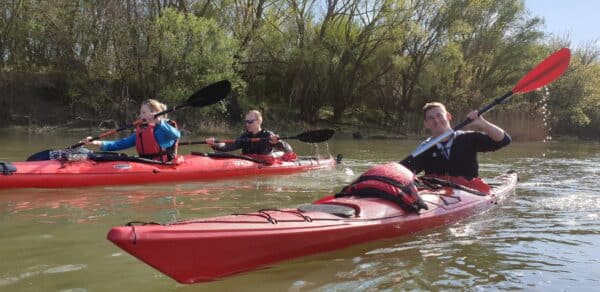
(359, 65)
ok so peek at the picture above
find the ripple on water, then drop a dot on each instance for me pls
(65, 268)
(37, 270)
(41, 269)
(573, 202)
(5, 281)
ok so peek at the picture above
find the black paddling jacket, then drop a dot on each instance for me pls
(260, 147)
(463, 155)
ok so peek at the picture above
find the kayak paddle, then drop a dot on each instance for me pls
(544, 73)
(315, 136)
(207, 95)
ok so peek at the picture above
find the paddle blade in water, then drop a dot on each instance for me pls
(316, 136)
(210, 94)
(544, 73)
(40, 156)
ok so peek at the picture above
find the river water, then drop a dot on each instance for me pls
(545, 237)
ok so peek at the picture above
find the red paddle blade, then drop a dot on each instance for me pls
(545, 72)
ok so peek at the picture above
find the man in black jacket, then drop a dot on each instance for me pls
(254, 140)
(457, 154)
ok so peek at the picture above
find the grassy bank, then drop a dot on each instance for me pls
(521, 127)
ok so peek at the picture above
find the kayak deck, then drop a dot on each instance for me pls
(56, 174)
(207, 249)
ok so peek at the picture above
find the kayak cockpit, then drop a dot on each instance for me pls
(369, 208)
(334, 209)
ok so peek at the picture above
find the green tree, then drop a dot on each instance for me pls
(574, 100)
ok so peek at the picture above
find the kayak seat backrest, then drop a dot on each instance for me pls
(334, 209)
(6, 168)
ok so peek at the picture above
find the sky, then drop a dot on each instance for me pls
(578, 18)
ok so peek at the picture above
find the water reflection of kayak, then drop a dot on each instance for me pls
(129, 170)
(206, 249)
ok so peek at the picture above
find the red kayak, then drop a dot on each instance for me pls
(207, 249)
(127, 170)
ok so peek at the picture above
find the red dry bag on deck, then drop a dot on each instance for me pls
(390, 181)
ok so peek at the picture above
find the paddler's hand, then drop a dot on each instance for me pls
(88, 141)
(495, 132)
(476, 119)
(274, 139)
(212, 142)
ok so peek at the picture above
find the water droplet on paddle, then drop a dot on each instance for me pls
(546, 114)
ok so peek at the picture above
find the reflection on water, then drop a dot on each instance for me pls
(165, 202)
(545, 237)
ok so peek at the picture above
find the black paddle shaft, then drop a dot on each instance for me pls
(497, 101)
(207, 95)
(316, 136)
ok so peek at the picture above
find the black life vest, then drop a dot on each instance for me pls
(147, 146)
(390, 181)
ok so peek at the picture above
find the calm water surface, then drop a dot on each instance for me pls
(545, 237)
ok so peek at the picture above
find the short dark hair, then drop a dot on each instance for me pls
(431, 105)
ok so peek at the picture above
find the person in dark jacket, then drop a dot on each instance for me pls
(456, 155)
(267, 142)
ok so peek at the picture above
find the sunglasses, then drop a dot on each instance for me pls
(249, 122)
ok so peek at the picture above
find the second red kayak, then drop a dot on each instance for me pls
(207, 249)
(56, 174)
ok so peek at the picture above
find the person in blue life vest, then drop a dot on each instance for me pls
(268, 142)
(155, 138)
(456, 156)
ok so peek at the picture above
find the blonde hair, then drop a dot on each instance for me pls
(256, 114)
(431, 105)
(155, 106)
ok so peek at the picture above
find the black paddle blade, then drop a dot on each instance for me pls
(40, 156)
(316, 136)
(210, 94)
